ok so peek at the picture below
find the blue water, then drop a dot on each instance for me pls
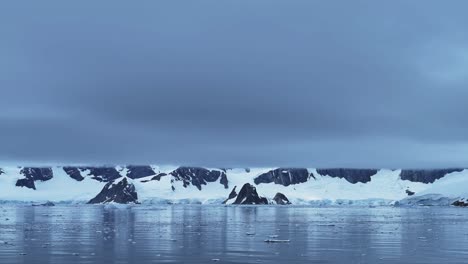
(218, 234)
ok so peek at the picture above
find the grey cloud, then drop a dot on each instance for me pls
(262, 83)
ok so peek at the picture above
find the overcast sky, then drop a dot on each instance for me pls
(235, 83)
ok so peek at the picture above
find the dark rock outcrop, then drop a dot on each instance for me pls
(117, 191)
(156, 178)
(26, 182)
(199, 176)
(426, 176)
(410, 193)
(38, 174)
(312, 176)
(281, 199)
(34, 174)
(136, 172)
(1, 171)
(283, 176)
(351, 175)
(74, 173)
(460, 203)
(159, 176)
(45, 204)
(248, 195)
(224, 180)
(232, 195)
(103, 174)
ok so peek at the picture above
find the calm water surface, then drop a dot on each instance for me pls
(218, 234)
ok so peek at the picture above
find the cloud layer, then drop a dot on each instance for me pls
(259, 83)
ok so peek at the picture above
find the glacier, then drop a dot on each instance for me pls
(196, 185)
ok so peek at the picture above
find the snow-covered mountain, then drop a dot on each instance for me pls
(159, 184)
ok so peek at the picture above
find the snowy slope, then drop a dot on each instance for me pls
(442, 192)
(385, 184)
(60, 188)
(385, 187)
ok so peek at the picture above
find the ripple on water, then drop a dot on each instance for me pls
(201, 234)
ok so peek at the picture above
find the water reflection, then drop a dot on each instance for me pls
(200, 234)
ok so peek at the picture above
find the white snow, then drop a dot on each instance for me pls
(61, 188)
(443, 191)
(454, 186)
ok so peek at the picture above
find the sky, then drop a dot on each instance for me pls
(365, 84)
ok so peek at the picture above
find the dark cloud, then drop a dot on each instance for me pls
(260, 83)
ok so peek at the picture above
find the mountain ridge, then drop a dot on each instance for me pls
(211, 185)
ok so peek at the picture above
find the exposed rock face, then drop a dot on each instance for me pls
(232, 195)
(283, 176)
(461, 203)
(34, 174)
(74, 173)
(281, 199)
(118, 191)
(28, 183)
(1, 171)
(199, 176)
(38, 174)
(103, 174)
(410, 193)
(248, 195)
(426, 176)
(312, 176)
(224, 180)
(45, 204)
(157, 177)
(136, 172)
(351, 175)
